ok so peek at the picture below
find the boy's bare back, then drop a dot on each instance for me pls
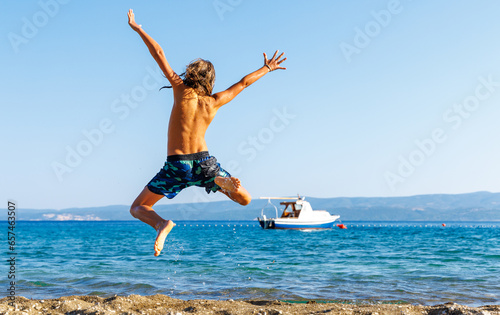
(190, 117)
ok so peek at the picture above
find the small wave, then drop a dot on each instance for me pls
(142, 286)
(98, 293)
(38, 284)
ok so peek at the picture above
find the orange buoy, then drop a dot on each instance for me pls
(443, 224)
(342, 226)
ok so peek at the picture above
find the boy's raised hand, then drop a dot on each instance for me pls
(131, 20)
(274, 63)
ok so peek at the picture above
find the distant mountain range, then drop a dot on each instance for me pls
(478, 206)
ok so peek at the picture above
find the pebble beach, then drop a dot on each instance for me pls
(162, 304)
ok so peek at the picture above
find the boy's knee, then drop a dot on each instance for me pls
(133, 211)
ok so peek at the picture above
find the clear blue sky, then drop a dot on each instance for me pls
(380, 98)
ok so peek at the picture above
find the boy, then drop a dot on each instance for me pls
(188, 162)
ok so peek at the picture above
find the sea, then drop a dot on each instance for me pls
(369, 262)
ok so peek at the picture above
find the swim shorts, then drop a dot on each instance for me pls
(182, 171)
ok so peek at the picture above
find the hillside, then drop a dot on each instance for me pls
(478, 206)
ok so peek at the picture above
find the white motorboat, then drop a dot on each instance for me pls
(298, 214)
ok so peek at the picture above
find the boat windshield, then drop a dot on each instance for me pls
(292, 210)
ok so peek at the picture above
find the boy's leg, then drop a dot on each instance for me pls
(142, 210)
(231, 187)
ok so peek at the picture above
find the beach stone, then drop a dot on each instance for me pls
(190, 309)
(74, 304)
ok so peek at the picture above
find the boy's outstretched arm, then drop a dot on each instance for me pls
(156, 51)
(272, 64)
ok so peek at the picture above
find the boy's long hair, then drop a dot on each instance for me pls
(199, 75)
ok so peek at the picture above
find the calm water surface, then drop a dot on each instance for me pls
(413, 262)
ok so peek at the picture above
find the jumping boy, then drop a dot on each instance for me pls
(188, 161)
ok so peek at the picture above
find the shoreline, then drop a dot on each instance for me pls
(162, 304)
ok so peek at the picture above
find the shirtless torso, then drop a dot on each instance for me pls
(190, 117)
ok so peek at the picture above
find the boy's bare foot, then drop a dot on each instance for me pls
(229, 184)
(163, 228)
(231, 187)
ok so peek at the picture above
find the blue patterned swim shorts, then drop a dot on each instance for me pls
(182, 171)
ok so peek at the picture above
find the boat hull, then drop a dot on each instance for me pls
(295, 224)
(328, 225)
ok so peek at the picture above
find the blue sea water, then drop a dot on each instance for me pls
(423, 263)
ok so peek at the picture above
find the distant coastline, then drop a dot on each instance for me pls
(470, 207)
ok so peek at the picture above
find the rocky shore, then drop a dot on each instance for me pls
(162, 304)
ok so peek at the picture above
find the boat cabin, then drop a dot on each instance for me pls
(292, 209)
